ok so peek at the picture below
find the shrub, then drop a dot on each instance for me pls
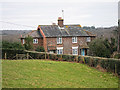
(104, 46)
(11, 53)
(12, 45)
(117, 56)
(28, 43)
(40, 49)
(52, 56)
(86, 60)
(95, 62)
(110, 64)
(69, 58)
(36, 55)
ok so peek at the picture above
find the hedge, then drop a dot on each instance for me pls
(109, 64)
(11, 53)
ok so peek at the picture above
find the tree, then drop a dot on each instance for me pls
(92, 27)
(28, 43)
(12, 45)
(100, 47)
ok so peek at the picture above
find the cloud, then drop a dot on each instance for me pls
(54, 1)
(84, 13)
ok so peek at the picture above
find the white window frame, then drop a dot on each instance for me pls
(23, 41)
(74, 39)
(76, 50)
(59, 50)
(88, 39)
(59, 40)
(35, 41)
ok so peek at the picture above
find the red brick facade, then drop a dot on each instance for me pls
(67, 44)
(50, 43)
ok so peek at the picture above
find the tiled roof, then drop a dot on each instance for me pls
(67, 30)
(34, 34)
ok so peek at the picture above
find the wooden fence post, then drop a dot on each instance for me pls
(61, 57)
(115, 69)
(45, 55)
(83, 59)
(77, 58)
(5, 56)
(27, 55)
(48, 55)
(17, 56)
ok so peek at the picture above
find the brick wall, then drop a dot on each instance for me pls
(67, 43)
(40, 43)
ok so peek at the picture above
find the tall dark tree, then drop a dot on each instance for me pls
(12, 45)
(102, 47)
(28, 43)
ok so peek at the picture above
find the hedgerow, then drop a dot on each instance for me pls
(109, 64)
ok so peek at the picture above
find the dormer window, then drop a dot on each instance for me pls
(88, 39)
(35, 41)
(74, 39)
(59, 40)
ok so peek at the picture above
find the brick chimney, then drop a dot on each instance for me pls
(60, 22)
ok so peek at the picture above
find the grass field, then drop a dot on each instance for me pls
(53, 74)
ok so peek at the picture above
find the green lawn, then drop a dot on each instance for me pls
(53, 74)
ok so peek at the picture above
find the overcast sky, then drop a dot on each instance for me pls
(98, 13)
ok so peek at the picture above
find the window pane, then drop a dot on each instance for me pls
(60, 40)
(57, 51)
(74, 39)
(60, 51)
(75, 51)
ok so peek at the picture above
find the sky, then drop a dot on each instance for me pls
(28, 14)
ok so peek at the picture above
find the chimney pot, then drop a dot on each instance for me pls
(60, 22)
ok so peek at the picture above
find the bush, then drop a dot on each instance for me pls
(12, 45)
(52, 56)
(40, 49)
(117, 56)
(95, 62)
(102, 48)
(110, 64)
(28, 43)
(11, 53)
(36, 55)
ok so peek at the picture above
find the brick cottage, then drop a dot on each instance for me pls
(61, 39)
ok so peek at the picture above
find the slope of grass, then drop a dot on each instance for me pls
(53, 74)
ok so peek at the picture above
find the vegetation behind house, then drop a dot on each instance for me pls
(103, 47)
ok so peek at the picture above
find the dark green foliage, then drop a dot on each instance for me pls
(95, 62)
(117, 56)
(40, 49)
(11, 53)
(87, 27)
(87, 60)
(102, 48)
(11, 45)
(68, 58)
(53, 57)
(110, 64)
(28, 43)
(37, 55)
